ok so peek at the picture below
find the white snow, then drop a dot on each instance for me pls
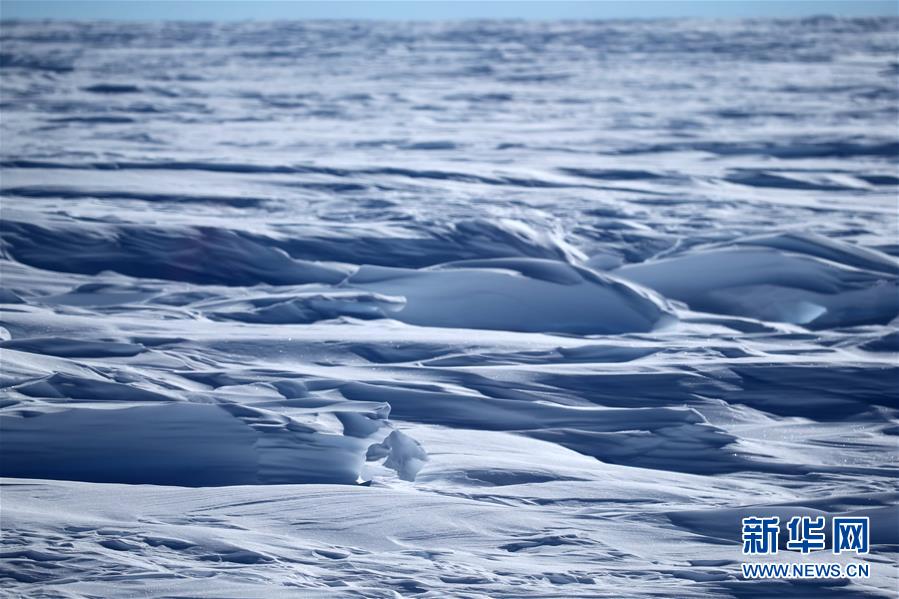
(484, 309)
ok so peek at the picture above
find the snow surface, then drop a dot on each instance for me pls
(448, 310)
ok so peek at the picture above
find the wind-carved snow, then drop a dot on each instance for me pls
(443, 309)
(791, 283)
(522, 294)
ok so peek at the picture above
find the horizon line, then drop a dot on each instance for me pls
(436, 10)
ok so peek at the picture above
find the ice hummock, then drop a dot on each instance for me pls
(803, 280)
(520, 294)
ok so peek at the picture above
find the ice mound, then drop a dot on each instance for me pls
(421, 244)
(204, 255)
(824, 248)
(507, 236)
(517, 294)
(191, 444)
(803, 280)
(304, 307)
(661, 438)
(404, 454)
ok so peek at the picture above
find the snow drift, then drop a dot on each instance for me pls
(800, 280)
(517, 295)
(111, 437)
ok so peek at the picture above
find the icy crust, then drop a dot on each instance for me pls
(799, 279)
(517, 294)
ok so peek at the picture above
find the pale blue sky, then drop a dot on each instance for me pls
(432, 9)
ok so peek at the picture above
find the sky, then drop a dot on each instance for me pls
(434, 9)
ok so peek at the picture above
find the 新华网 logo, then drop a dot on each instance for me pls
(805, 534)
